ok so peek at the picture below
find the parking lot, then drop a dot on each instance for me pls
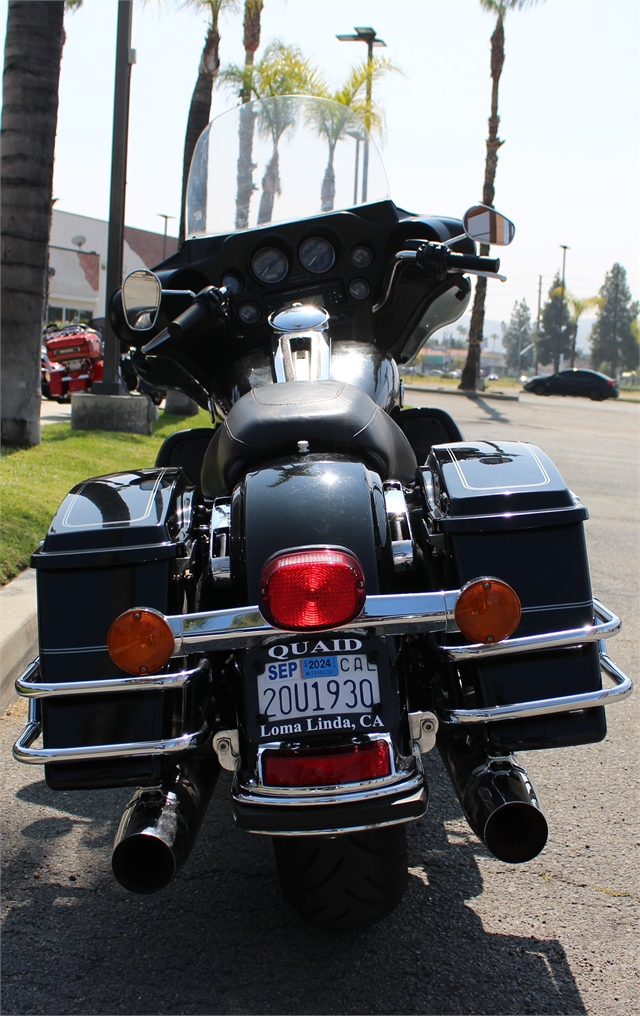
(556, 935)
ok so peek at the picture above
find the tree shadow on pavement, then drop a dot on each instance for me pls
(220, 939)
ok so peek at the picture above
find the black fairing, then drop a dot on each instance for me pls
(116, 542)
(210, 356)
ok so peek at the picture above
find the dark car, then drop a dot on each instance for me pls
(590, 383)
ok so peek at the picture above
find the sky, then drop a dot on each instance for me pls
(567, 172)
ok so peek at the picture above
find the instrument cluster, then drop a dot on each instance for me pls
(316, 256)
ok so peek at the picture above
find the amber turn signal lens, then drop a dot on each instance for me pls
(140, 641)
(487, 610)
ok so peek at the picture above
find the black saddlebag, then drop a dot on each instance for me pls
(504, 511)
(116, 542)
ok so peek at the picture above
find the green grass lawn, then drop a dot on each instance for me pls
(35, 480)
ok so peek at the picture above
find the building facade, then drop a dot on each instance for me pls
(78, 264)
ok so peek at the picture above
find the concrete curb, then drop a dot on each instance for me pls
(18, 631)
(456, 391)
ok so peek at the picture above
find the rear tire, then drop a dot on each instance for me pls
(596, 395)
(343, 882)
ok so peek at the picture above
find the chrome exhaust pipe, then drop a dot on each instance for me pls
(498, 800)
(159, 826)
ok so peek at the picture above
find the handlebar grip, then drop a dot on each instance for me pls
(207, 306)
(188, 320)
(473, 263)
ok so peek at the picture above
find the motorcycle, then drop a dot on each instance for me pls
(323, 586)
(71, 362)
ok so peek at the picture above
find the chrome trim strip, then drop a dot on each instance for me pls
(23, 752)
(545, 707)
(609, 625)
(27, 686)
(340, 830)
(328, 792)
(241, 627)
(410, 782)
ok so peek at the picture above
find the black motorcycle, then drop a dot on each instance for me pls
(323, 586)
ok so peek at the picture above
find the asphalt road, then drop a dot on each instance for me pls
(556, 935)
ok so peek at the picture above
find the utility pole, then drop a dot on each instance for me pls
(535, 366)
(164, 241)
(125, 57)
(564, 260)
(367, 35)
(616, 285)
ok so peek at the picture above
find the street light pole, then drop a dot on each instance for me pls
(564, 260)
(367, 35)
(166, 218)
(125, 57)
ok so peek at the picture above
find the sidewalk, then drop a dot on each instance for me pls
(18, 631)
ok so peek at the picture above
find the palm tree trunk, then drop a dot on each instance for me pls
(328, 192)
(200, 108)
(33, 50)
(470, 372)
(270, 187)
(245, 184)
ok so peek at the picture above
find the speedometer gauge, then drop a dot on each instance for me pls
(317, 255)
(270, 265)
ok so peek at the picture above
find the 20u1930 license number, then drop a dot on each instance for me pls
(318, 693)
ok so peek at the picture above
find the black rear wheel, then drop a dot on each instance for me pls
(596, 395)
(343, 882)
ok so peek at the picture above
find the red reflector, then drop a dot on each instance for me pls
(309, 768)
(309, 589)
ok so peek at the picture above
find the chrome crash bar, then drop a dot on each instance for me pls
(244, 627)
(29, 686)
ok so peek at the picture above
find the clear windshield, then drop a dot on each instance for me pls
(277, 159)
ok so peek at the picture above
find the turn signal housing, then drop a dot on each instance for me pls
(487, 610)
(311, 589)
(140, 641)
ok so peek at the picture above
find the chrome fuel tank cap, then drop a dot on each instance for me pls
(299, 317)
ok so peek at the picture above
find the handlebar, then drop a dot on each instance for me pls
(209, 306)
(436, 259)
(473, 263)
(209, 303)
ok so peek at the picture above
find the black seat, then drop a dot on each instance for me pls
(330, 415)
(424, 427)
(186, 448)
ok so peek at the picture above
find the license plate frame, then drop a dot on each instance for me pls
(356, 660)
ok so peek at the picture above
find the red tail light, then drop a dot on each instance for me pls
(309, 768)
(310, 589)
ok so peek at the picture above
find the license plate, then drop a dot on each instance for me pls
(316, 693)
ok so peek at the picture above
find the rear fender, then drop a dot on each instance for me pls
(314, 500)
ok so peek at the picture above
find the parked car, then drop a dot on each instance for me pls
(590, 383)
(492, 377)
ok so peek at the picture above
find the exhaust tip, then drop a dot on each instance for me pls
(143, 863)
(516, 832)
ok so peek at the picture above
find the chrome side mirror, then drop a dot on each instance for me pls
(486, 225)
(141, 296)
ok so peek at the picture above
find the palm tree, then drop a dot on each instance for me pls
(283, 71)
(333, 123)
(245, 185)
(577, 307)
(499, 8)
(33, 50)
(200, 108)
